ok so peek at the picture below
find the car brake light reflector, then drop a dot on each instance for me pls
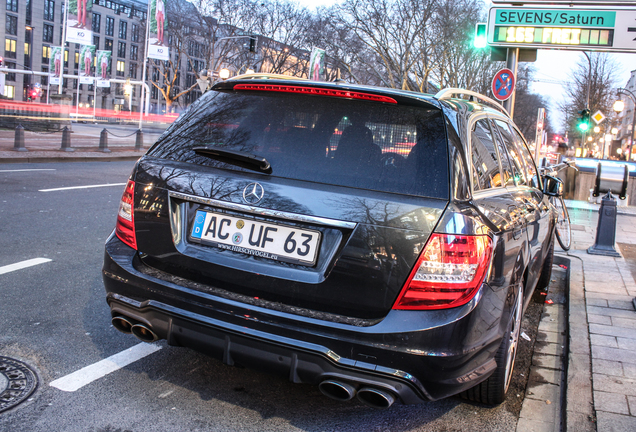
(125, 228)
(316, 92)
(448, 273)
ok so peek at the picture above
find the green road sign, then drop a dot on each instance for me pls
(573, 28)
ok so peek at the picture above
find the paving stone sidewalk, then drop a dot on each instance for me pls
(609, 289)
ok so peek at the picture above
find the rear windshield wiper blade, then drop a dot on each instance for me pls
(235, 157)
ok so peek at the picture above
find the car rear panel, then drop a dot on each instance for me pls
(369, 241)
(354, 188)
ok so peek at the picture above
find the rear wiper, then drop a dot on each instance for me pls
(235, 157)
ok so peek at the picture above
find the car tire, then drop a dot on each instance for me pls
(493, 390)
(546, 270)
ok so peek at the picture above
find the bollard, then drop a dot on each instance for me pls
(66, 140)
(139, 140)
(606, 228)
(18, 144)
(103, 141)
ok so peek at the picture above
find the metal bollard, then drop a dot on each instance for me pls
(606, 228)
(66, 140)
(18, 144)
(103, 141)
(139, 140)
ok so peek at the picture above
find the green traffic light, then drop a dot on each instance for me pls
(481, 39)
(584, 126)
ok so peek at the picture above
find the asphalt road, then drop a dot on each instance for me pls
(54, 317)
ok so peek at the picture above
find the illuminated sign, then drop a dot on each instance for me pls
(554, 36)
(575, 29)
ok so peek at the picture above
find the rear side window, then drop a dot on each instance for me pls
(361, 144)
(516, 161)
(484, 158)
(531, 169)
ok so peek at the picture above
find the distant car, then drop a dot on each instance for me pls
(377, 243)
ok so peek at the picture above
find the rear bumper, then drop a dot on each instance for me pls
(417, 356)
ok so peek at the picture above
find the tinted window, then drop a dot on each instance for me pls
(531, 168)
(514, 155)
(358, 144)
(484, 157)
(506, 170)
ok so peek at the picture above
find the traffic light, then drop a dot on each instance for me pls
(1, 61)
(481, 39)
(584, 120)
(252, 44)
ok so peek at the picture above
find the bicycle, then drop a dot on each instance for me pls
(553, 186)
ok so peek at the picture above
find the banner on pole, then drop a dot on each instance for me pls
(157, 46)
(55, 65)
(78, 22)
(103, 68)
(87, 52)
(317, 64)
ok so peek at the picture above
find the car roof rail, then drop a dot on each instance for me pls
(448, 93)
(259, 75)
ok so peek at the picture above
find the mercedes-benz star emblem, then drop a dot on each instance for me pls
(253, 193)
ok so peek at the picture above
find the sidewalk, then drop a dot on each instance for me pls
(601, 303)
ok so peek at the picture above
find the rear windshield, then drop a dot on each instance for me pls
(360, 144)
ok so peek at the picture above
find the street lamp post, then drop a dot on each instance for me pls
(619, 105)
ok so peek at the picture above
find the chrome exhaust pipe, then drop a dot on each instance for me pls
(375, 398)
(122, 324)
(143, 333)
(337, 390)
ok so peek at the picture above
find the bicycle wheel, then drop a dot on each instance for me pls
(563, 233)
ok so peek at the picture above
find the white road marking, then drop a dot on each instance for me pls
(81, 187)
(23, 264)
(23, 170)
(87, 375)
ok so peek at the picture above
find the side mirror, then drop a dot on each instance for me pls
(552, 186)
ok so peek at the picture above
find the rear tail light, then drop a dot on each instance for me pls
(448, 273)
(125, 228)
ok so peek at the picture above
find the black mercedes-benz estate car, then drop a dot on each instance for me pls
(380, 244)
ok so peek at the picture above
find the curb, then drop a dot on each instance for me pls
(544, 404)
(68, 159)
(580, 406)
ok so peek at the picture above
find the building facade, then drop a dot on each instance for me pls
(32, 27)
(626, 117)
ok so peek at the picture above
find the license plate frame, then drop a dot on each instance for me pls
(249, 236)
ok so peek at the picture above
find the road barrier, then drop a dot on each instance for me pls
(103, 141)
(606, 229)
(66, 140)
(18, 144)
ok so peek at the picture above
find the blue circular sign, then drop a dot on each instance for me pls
(503, 84)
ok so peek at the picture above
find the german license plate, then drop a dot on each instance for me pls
(261, 239)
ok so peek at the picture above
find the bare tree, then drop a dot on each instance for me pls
(602, 78)
(454, 60)
(394, 31)
(527, 104)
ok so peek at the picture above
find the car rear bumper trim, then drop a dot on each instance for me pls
(301, 361)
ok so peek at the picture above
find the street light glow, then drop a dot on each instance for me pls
(224, 73)
(597, 129)
(619, 106)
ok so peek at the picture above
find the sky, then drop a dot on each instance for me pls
(553, 65)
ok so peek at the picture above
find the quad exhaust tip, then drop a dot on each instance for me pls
(143, 333)
(375, 398)
(337, 390)
(369, 396)
(122, 324)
